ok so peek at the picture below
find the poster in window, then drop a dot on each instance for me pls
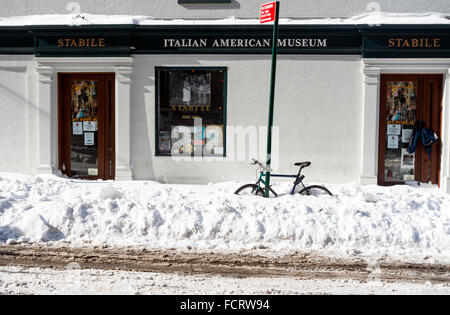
(394, 129)
(90, 126)
(406, 135)
(89, 138)
(392, 142)
(401, 102)
(84, 100)
(181, 140)
(164, 142)
(77, 128)
(199, 135)
(407, 161)
(186, 94)
(214, 140)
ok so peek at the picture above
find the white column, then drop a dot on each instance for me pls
(45, 121)
(445, 163)
(123, 141)
(369, 167)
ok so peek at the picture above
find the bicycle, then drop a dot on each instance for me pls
(258, 188)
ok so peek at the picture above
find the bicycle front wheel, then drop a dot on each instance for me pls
(249, 189)
(253, 189)
(315, 190)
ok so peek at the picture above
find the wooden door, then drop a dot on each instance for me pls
(86, 125)
(405, 100)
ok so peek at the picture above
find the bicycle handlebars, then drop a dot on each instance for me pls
(263, 167)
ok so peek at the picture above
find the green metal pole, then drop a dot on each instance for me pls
(272, 97)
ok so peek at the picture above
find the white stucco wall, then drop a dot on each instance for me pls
(318, 108)
(18, 114)
(238, 8)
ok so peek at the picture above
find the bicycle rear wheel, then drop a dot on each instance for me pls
(315, 190)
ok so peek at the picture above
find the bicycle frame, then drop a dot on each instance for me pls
(262, 175)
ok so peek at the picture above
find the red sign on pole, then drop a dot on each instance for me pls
(267, 12)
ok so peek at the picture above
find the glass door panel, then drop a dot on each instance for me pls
(84, 131)
(401, 115)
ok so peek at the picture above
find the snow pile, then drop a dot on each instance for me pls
(395, 221)
(370, 18)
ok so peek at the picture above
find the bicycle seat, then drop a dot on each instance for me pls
(303, 164)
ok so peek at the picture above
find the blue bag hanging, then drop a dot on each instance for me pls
(414, 138)
(428, 138)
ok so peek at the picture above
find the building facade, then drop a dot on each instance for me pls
(182, 97)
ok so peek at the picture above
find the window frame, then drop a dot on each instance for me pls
(157, 105)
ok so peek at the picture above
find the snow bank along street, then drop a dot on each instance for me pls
(403, 222)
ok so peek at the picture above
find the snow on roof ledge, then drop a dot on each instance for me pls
(371, 18)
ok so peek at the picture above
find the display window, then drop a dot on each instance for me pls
(190, 111)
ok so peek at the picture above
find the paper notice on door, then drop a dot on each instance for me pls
(406, 135)
(394, 129)
(77, 128)
(92, 171)
(407, 161)
(89, 138)
(392, 142)
(89, 125)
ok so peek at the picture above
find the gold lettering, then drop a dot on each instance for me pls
(421, 43)
(81, 42)
(414, 42)
(437, 42)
